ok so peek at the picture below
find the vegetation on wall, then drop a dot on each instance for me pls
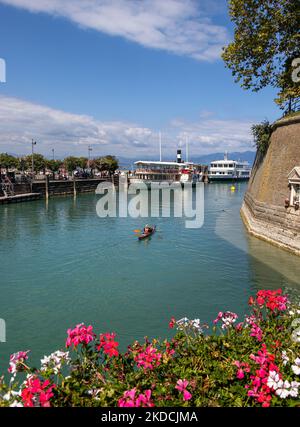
(262, 133)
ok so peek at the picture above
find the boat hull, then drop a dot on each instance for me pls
(146, 236)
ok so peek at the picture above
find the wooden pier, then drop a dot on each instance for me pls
(20, 198)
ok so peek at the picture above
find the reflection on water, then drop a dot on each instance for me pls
(61, 264)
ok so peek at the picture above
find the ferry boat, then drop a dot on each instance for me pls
(148, 172)
(222, 170)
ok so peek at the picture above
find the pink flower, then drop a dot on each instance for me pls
(240, 374)
(81, 334)
(242, 368)
(16, 361)
(181, 386)
(256, 332)
(36, 393)
(149, 358)
(227, 318)
(272, 300)
(107, 341)
(172, 322)
(129, 399)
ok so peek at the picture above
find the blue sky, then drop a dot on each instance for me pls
(114, 73)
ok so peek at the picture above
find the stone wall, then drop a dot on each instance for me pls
(60, 188)
(263, 210)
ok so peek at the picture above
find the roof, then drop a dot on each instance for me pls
(295, 173)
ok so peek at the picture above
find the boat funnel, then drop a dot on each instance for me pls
(179, 159)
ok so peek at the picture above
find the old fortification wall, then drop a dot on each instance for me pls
(263, 211)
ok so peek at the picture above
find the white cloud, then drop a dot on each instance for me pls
(183, 27)
(20, 121)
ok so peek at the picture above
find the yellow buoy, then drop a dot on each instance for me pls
(232, 188)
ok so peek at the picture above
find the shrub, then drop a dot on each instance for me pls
(253, 362)
(262, 134)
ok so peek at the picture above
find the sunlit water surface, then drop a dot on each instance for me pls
(61, 265)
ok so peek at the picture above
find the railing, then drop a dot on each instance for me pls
(7, 188)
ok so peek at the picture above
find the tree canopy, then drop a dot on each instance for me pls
(71, 163)
(108, 163)
(7, 161)
(266, 42)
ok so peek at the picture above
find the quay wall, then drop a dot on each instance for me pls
(263, 211)
(60, 188)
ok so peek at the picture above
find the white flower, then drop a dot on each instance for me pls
(285, 357)
(296, 366)
(273, 380)
(294, 388)
(16, 404)
(11, 394)
(283, 389)
(55, 361)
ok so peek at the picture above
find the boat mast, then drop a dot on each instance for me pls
(160, 156)
(187, 148)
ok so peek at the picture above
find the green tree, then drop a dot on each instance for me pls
(107, 163)
(266, 41)
(38, 160)
(53, 165)
(7, 161)
(71, 163)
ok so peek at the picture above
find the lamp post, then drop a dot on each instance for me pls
(32, 160)
(89, 156)
(53, 154)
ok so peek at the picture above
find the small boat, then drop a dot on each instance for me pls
(145, 235)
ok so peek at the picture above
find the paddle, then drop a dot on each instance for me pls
(136, 231)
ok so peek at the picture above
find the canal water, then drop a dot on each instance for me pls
(60, 264)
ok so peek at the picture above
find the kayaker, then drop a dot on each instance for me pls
(147, 229)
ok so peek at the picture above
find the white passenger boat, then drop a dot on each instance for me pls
(222, 170)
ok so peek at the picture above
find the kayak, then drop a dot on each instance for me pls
(145, 235)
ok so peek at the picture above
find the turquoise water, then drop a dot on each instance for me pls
(61, 264)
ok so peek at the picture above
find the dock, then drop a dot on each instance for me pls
(27, 197)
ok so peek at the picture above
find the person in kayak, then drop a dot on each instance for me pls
(148, 229)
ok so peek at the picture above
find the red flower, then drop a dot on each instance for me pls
(36, 393)
(109, 345)
(81, 334)
(172, 322)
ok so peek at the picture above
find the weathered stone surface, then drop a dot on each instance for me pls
(263, 210)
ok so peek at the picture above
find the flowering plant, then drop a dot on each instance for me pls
(254, 361)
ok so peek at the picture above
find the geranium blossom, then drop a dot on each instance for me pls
(227, 318)
(273, 380)
(296, 366)
(55, 361)
(242, 368)
(16, 362)
(131, 400)
(181, 386)
(81, 334)
(284, 357)
(259, 387)
(283, 389)
(172, 323)
(36, 392)
(149, 358)
(109, 345)
(272, 300)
